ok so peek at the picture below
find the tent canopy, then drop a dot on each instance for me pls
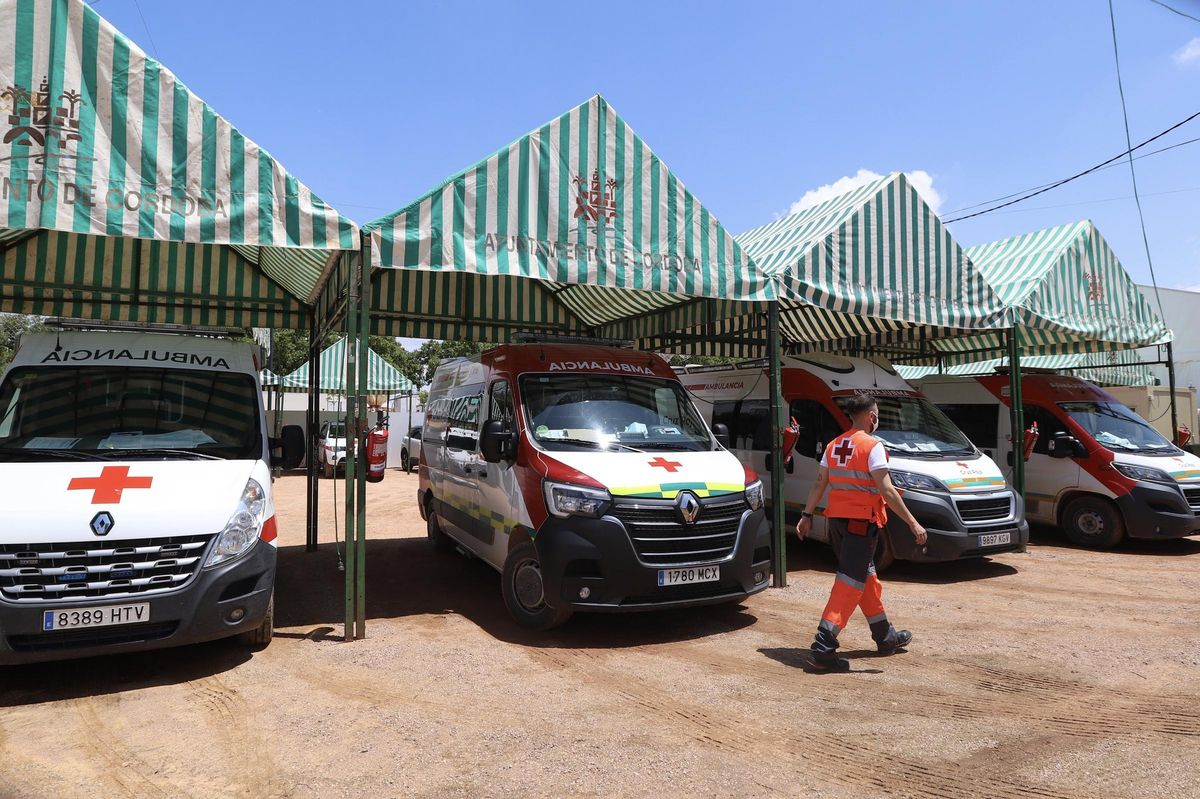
(872, 264)
(382, 377)
(1066, 291)
(125, 196)
(576, 227)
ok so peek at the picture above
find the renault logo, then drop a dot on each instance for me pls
(102, 523)
(688, 506)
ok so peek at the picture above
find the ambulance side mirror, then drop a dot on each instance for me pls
(288, 451)
(721, 434)
(1065, 445)
(495, 443)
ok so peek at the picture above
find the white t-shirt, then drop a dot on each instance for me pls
(877, 460)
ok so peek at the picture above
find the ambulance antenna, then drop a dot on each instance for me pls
(58, 340)
(874, 374)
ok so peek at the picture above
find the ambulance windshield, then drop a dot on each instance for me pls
(912, 426)
(594, 411)
(119, 413)
(1115, 427)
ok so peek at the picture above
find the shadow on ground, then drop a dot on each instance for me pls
(1053, 538)
(802, 659)
(406, 578)
(810, 556)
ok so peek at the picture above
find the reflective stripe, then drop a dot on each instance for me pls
(853, 473)
(878, 617)
(829, 626)
(871, 569)
(850, 581)
(852, 487)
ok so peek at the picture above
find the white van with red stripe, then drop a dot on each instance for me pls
(1098, 469)
(136, 488)
(956, 492)
(587, 478)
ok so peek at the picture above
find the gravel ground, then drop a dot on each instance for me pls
(1055, 673)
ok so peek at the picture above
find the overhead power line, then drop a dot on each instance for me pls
(1132, 172)
(1047, 187)
(1174, 10)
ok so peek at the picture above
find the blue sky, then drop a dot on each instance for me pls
(751, 104)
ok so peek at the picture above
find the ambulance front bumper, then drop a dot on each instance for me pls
(950, 538)
(199, 611)
(1158, 510)
(592, 565)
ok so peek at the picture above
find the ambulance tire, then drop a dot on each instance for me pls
(260, 636)
(405, 464)
(885, 555)
(1094, 523)
(520, 585)
(437, 536)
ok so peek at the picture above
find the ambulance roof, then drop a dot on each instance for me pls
(850, 374)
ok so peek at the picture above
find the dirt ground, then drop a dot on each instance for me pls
(1055, 673)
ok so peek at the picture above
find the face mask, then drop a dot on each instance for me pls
(874, 422)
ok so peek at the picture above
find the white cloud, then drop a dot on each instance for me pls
(1188, 54)
(921, 180)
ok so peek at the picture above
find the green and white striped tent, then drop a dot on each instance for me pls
(382, 377)
(125, 196)
(873, 264)
(268, 378)
(576, 227)
(1113, 368)
(1065, 291)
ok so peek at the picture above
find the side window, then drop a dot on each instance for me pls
(805, 414)
(501, 407)
(1048, 427)
(464, 418)
(979, 421)
(754, 425)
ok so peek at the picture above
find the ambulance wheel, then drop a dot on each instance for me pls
(523, 591)
(404, 464)
(437, 536)
(261, 635)
(1094, 523)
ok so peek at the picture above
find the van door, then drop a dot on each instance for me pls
(1046, 478)
(817, 429)
(497, 482)
(460, 490)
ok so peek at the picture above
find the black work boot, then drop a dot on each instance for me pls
(824, 650)
(894, 641)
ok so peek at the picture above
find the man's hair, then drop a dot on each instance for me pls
(858, 403)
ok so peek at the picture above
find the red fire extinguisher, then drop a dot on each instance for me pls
(1183, 435)
(791, 434)
(1031, 438)
(376, 453)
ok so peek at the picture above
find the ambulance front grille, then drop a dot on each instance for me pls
(983, 510)
(660, 537)
(1193, 498)
(93, 569)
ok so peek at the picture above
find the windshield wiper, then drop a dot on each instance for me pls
(186, 454)
(66, 454)
(581, 442)
(674, 445)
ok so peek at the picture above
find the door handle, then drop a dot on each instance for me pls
(466, 470)
(483, 473)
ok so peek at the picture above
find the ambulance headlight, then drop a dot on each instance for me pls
(754, 495)
(916, 482)
(1147, 473)
(243, 527)
(568, 499)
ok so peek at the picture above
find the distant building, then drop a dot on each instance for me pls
(1181, 312)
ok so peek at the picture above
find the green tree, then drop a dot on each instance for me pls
(12, 327)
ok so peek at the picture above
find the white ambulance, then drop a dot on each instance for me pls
(1097, 469)
(586, 477)
(956, 492)
(134, 469)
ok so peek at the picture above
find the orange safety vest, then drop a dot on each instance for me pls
(852, 491)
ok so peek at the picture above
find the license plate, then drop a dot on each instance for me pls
(695, 574)
(995, 539)
(77, 618)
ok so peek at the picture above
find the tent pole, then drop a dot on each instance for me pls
(364, 330)
(315, 378)
(1017, 413)
(310, 439)
(408, 430)
(350, 420)
(1171, 387)
(775, 457)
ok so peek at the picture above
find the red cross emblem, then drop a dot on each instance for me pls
(843, 452)
(662, 463)
(106, 489)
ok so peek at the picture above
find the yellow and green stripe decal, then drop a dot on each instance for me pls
(959, 483)
(1186, 474)
(671, 490)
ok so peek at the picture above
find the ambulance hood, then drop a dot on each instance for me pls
(58, 501)
(960, 476)
(659, 474)
(1183, 467)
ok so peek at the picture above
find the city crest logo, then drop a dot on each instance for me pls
(595, 202)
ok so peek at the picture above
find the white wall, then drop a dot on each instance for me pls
(1181, 312)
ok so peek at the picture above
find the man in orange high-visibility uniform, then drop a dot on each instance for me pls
(855, 468)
